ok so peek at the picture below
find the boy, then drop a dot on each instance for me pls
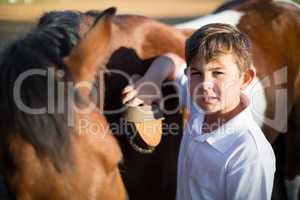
(223, 152)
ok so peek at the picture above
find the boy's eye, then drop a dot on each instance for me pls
(193, 73)
(217, 73)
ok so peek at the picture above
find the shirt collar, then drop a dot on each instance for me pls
(223, 137)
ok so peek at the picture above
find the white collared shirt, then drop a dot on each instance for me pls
(233, 162)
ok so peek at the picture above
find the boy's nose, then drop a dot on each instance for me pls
(207, 85)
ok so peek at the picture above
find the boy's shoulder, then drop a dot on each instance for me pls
(248, 136)
(251, 146)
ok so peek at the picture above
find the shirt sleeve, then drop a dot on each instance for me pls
(250, 181)
(182, 86)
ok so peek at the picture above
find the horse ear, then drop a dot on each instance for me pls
(108, 11)
(93, 49)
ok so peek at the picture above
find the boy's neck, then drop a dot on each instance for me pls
(215, 120)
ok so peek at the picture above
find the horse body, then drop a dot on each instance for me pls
(137, 42)
(43, 156)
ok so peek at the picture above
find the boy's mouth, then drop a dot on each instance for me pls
(207, 98)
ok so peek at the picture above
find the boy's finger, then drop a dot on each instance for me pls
(135, 102)
(127, 89)
(128, 96)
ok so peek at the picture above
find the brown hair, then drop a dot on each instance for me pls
(213, 40)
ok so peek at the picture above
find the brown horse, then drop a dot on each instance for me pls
(50, 149)
(137, 41)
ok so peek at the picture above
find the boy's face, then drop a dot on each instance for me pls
(216, 86)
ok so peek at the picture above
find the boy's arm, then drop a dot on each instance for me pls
(165, 67)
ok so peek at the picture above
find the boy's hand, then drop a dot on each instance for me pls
(147, 90)
(143, 91)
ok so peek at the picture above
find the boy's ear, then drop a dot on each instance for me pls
(247, 77)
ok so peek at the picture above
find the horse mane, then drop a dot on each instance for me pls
(42, 48)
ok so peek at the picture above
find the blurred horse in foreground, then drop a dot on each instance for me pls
(46, 152)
